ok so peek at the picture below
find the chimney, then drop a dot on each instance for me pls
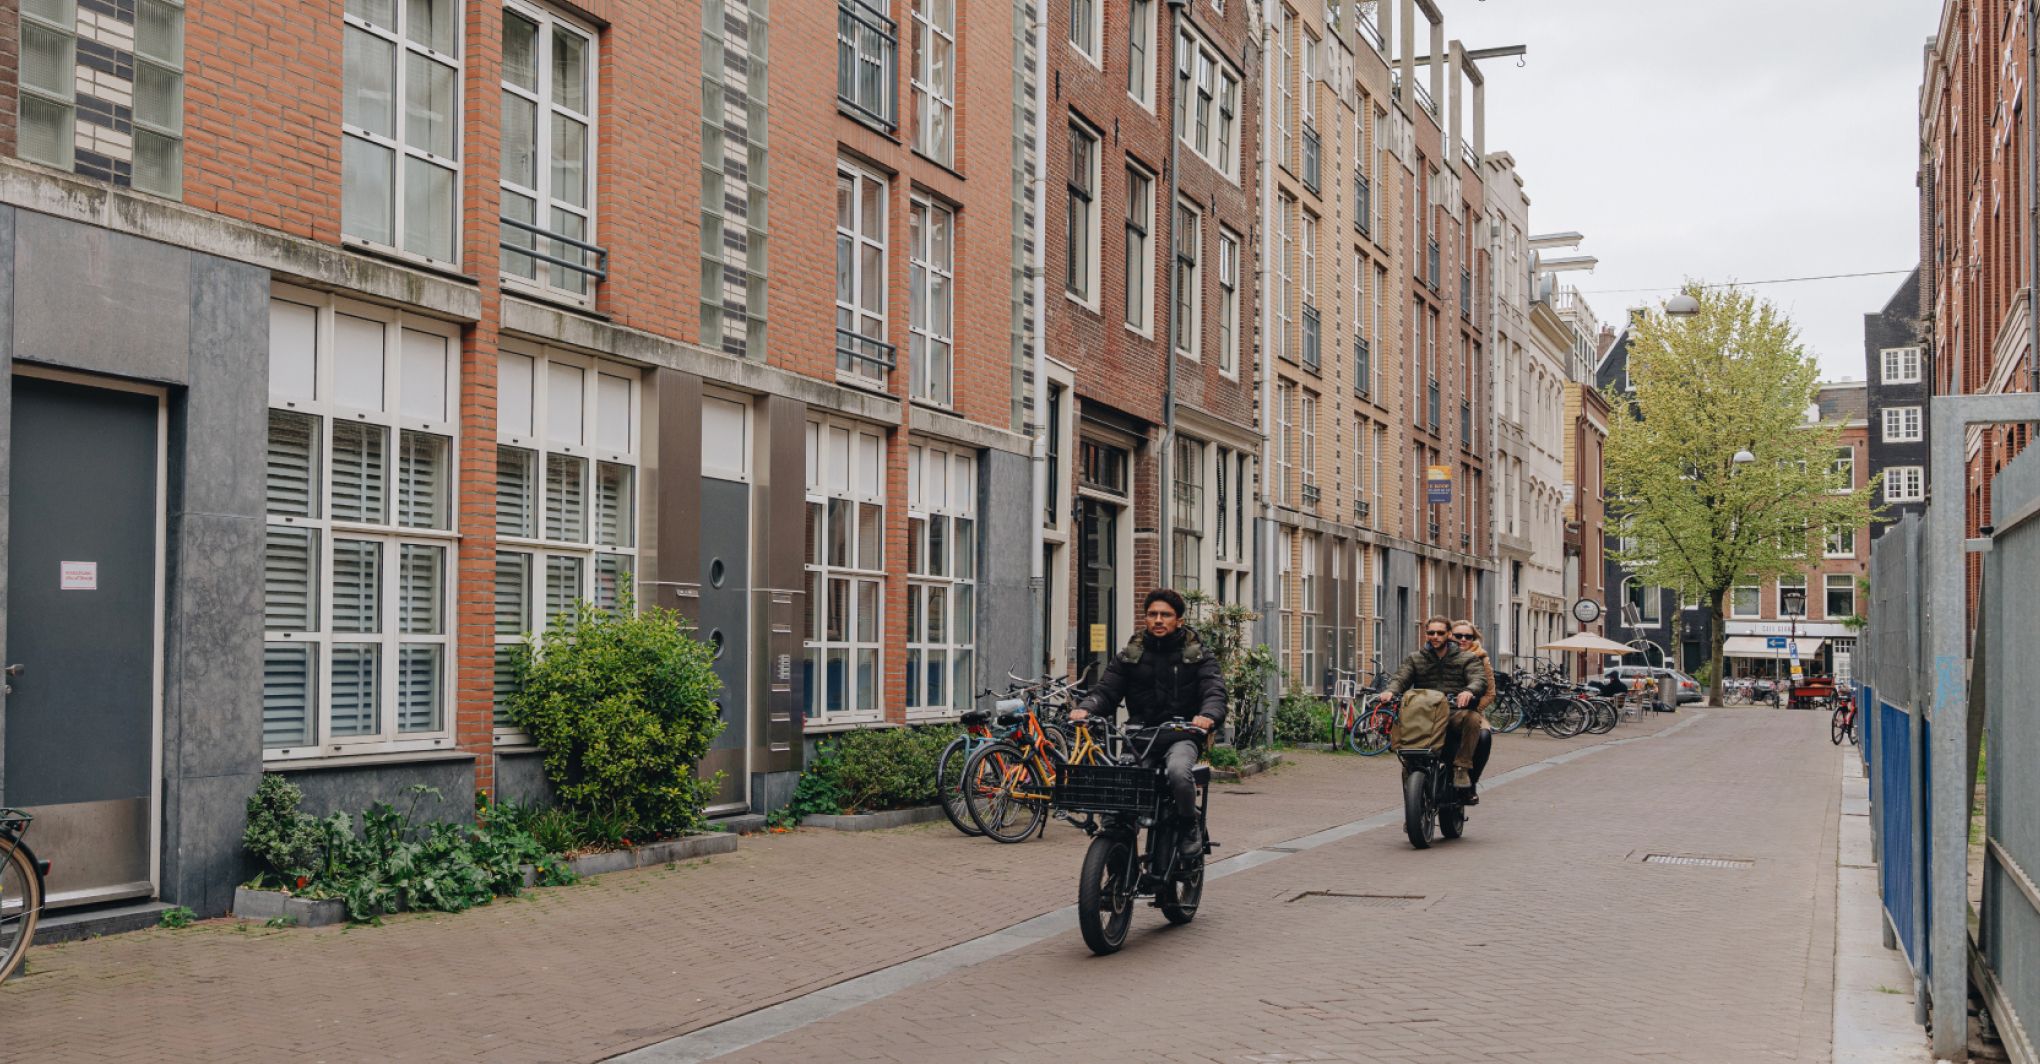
(1606, 341)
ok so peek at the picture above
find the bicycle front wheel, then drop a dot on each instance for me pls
(21, 900)
(1370, 734)
(1505, 714)
(1005, 795)
(949, 785)
(1567, 720)
(1838, 726)
(1105, 895)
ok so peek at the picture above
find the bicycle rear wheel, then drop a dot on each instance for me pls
(1839, 726)
(1566, 720)
(1006, 797)
(949, 785)
(1506, 714)
(21, 901)
(1600, 716)
(1370, 734)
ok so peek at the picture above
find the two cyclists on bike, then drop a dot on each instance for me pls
(1165, 673)
(1450, 674)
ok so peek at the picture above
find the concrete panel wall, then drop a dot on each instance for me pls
(1006, 617)
(353, 789)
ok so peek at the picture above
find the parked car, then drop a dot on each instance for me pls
(1668, 680)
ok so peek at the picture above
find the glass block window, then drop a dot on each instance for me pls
(567, 456)
(103, 95)
(942, 564)
(845, 571)
(358, 549)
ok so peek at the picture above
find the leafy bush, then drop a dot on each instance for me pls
(1303, 719)
(1247, 666)
(177, 918)
(1704, 676)
(559, 830)
(392, 862)
(623, 704)
(869, 771)
(1223, 757)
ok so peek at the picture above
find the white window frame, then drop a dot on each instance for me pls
(861, 484)
(1139, 266)
(1285, 63)
(931, 277)
(1846, 537)
(390, 536)
(1755, 589)
(856, 316)
(1307, 658)
(1845, 468)
(1901, 365)
(1228, 303)
(1285, 403)
(942, 492)
(396, 142)
(1828, 587)
(935, 96)
(1903, 424)
(1905, 484)
(536, 432)
(1285, 299)
(1307, 461)
(1140, 52)
(1087, 29)
(1187, 320)
(548, 279)
(1779, 587)
(1081, 240)
(1187, 513)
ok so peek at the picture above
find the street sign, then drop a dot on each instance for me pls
(1775, 642)
(1586, 611)
(1438, 484)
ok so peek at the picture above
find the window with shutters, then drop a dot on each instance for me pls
(358, 549)
(567, 456)
(942, 557)
(845, 564)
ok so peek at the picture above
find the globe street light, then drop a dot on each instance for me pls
(1682, 306)
(1743, 457)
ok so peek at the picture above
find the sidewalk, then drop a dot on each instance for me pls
(1874, 997)
(627, 959)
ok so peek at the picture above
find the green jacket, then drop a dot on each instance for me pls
(1448, 673)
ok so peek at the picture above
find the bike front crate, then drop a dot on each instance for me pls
(1129, 789)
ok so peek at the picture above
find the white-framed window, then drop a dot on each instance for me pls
(1797, 585)
(1308, 665)
(1227, 158)
(1140, 254)
(359, 549)
(1186, 515)
(1306, 78)
(1644, 597)
(941, 677)
(400, 126)
(1901, 365)
(862, 353)
(1905, 484)
(50, 129)
(1140, 52)
(1285, 415)
(1189, 316)
(1285, 66)
(1285, 602)
(935, 79)
(1086, 27)
(1845, 468)
(549, 65)
(1745, 600)
(1228, 302)
(867, 44)
(1080, 217)
(1362, 433)
(845, 565)
(931, 237)
(1901, 424)
(1841, 596)
(567, 456)
(1285, 297)
(1308, 459)
(1841, 542)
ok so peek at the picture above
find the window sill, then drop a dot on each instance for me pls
(890, 132)
(863, 384)
(947, 168)
(448, 270)
(519, 288)
(405, 757)
(835, 727)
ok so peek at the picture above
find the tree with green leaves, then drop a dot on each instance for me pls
(1731, 381)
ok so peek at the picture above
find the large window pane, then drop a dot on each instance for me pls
(516, 492)
(428, 209)
(288, 672)
(513, 593)
(431, 23)
(613, 505)
(520, 51)
(418, 683)
(870, 536)
(562, 588)
(357, 586)
(421, 578)
(505, 686)
(424, 481)
(292, 483)
(367, 202)
(429, 106)
(357, 689)
(612, 579)
(360, 472)
(290, 589)
(371, 83)
(566, 498)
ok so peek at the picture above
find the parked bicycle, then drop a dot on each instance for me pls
(1007, 783)
(21, 890)
(1124, 799)
(1842, 726)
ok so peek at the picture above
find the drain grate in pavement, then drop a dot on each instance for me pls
(1372, 901)
(1699, 862)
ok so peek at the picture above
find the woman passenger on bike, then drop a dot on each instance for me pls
(1165, 673)
(1474, 741)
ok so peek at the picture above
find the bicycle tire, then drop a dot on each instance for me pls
(1371, 734)
(1104, 899)
(1506, 715)
(1839, 726)
(1420, 820)
(1601, 716)
(1179, 897)
(1452, 821)
(1566, 721)
(949, 788)
(992, 777)
(21, 901)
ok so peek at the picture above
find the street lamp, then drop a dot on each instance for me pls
(1743, 457)
(1682, 306)
(1792, 603)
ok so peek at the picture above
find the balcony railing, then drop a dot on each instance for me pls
(858, 355)
(593, 261)
(1364, 13)
(1311, 357)
(1362, 511)
(1466, 292)
(1424, 100)
(1469, 156)
(1363, 204)
(1434, 406)
(1431, 266)
(1312, 164)
(1311, 495)
(1466, 541)
(1466, 425)
(1434, 531)
(1363, 368)
(867, 61)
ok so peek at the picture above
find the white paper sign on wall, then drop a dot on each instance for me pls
(78, 576)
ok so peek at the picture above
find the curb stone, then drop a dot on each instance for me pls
(891, 818)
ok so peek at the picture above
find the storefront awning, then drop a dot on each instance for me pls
(1755, 646)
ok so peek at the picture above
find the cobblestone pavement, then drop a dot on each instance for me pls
(1579, 941)
(1542, 936)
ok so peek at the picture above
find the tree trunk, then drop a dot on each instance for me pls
(1717, 682)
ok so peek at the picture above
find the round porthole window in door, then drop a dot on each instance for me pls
(716, 573)
(715, 640)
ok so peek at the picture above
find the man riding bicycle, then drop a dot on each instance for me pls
(1165, 673)
(1458, 677)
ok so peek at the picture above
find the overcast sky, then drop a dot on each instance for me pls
(1733, 140)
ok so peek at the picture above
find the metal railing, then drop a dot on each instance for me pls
(1312, 359)
(1311, 495)
(599, 271)
(863, 356)
(1362, 511)
(1312, 162)
(867, 60)
(1424, 100)
(1364, 13)
(1470, 157)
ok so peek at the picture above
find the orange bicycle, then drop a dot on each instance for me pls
(1007, 784)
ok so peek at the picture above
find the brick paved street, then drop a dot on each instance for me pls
(1543, 924)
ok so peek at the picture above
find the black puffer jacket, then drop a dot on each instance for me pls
(1160, 680)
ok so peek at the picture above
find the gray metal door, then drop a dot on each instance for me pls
(81, 602)
(726, 623)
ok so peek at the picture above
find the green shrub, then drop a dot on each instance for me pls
(1223, 757)
(869, 771)
(623, 704)
(1303, 719)
(1247, 666)
(286, 840)
(176, 918)
(815, 794)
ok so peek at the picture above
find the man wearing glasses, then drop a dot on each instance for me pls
(1458, 678)
(1165, 673)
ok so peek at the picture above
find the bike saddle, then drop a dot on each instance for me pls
(975, 718)
(1201, 775)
